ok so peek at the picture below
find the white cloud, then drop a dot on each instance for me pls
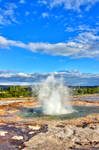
(5, 43)
(5, 75)
(7, 14)
(15, 83)
(82, 28)
(23, 74)
(86, 44)
(69, 4)
(42, 2)
(71, 77)
(22, 1)
(73, 4)
(45, 15)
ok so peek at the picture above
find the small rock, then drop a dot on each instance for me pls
(34, 127)
(32, 132)
(2, 133)
(2, 124)
(17, 137)
(78, 143)
(92, 126)
(60, 126)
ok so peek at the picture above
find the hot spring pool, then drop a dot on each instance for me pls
(80, 111)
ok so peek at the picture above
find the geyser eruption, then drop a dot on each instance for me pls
(54, 97)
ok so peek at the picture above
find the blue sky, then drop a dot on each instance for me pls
(49, 35)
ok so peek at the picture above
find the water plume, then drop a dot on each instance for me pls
(54, 97)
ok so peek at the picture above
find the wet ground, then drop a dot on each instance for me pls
(79, 111)
(13, 136)
(88, 98)
(22, 121)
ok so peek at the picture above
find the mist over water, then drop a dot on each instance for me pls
(54, 97)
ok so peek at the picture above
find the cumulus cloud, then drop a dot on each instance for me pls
(72, 77)
(20, 74)
(86, 44)
(5, 43)
(15, 83)
(7, 73)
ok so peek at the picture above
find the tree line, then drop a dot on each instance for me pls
(85, 90)
(29, 91)
(15, 91)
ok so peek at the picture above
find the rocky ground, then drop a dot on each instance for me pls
(64, 136)
(18, 133)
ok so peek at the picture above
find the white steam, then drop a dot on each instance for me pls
(54, 97)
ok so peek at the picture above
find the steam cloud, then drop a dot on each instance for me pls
(54, 97)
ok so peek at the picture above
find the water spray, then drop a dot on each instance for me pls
(54, 97)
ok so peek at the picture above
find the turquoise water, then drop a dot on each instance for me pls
(80, 111)
(88, 98)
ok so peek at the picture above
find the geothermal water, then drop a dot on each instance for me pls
(54, 97)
